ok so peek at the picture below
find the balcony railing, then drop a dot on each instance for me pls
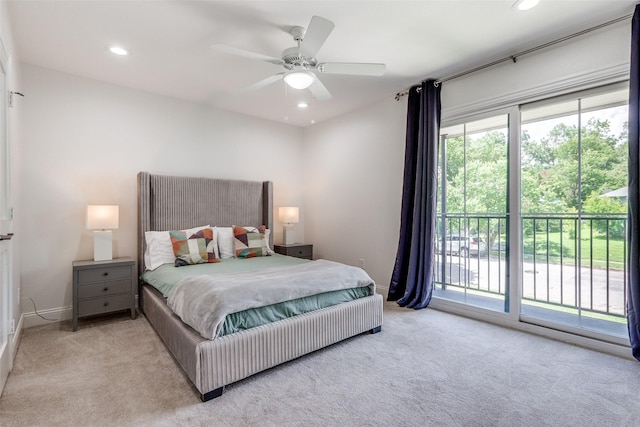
(570, 261)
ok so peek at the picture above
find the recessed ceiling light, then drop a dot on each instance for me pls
(525, 4)
(117, 50)
(302, 105)
(313, 122)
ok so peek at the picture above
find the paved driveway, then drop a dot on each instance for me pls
(600, 288)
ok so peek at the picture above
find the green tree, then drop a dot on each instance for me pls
(479, 187)
(597, 204)
(477, 165)
(601, 164)
(537, 153)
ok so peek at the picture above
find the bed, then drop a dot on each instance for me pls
(179, 203)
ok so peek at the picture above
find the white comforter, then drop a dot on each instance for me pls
(203, 302)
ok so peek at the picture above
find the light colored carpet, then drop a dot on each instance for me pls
(426, 368)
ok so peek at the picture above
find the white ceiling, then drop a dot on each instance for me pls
(171, 54)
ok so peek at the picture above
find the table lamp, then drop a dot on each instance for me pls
(102, 219)
(288, 215)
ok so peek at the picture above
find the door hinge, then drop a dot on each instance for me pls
(13, 327)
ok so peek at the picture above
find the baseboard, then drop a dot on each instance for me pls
(15, 340)
(382, 290)
(558, 335)
(45, 317)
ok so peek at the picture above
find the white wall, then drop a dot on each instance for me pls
(353, 187)
(598, 57)
(84, 143)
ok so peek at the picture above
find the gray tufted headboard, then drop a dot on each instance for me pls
(176, 203)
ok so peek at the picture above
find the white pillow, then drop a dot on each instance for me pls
(226, 245)
(267, 233)
(225, 242)
(160, 250)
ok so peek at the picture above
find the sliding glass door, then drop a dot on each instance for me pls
(472, 213)
(532, 213)
(574, 180)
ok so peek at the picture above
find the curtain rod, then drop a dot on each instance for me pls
(514, 57)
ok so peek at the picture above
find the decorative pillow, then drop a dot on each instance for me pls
(266, 242)
(226, 244)
(250, 242)
(198, 248)
(159, 249)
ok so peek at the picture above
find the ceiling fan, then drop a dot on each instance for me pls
(300, 61)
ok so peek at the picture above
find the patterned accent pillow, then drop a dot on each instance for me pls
(226, 245)
(198, 248)
(250, 242)
(159, 249)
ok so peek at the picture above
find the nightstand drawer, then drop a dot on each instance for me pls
(298, 250)
(102, 274)
(104, 305)
(104, 289)
(301, 251)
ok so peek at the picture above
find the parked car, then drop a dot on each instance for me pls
(456, 244)
(499, 247)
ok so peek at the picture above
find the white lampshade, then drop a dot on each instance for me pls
(102, 217)
(299, 79)
(288, 214)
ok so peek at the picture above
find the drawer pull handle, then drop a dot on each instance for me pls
(106, 303)
(106, 273)
(105, 289)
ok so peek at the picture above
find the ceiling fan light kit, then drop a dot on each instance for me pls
(301, 64)
(525, 4)
(299, 79)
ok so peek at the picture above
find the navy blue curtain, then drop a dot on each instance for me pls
(412, 280)
(633, 229)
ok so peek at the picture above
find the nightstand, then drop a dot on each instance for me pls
(298, 250)
(101, 287)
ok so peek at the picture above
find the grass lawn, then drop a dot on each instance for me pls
(561, 248)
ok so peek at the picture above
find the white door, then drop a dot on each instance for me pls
(5, 227)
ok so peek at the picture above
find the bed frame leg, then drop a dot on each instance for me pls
(376, 329)
(212, 394)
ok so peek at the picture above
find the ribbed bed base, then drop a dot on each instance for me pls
(211, 365)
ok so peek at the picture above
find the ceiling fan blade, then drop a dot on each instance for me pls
(315, 36)
(245, 53)
(353, 68)
(263, 83)
(319, 91)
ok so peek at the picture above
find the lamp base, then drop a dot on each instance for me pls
(102, 246)
(288, 234)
